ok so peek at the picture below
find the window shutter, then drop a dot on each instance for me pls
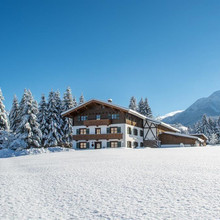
(87, 131)
(119, 129)
(108, 144)
(78, 118)
(77, 145)
(77, 131)
(108, 130)
(119, 143)
(87, 145)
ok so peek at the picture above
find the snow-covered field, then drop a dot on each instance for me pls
(169, 183)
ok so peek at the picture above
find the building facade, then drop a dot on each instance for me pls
(98, 124)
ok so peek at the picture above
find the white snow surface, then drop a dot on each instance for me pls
(160, 118)
(169, 183)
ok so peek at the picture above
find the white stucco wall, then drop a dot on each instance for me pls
(126, 137)
(151, 133)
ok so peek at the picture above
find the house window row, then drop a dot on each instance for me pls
(135, 144)
(98, 117)
(111, 130)
(135, 131)
(110, 144)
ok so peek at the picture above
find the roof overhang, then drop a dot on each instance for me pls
(79, 107)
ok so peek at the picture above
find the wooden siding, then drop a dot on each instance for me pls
(201, 137)
(104, 112)
(97, 136)
(171, 139)
(97, 122)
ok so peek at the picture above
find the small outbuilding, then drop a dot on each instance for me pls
(201, 136)
(173, 138)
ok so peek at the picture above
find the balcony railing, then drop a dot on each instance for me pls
(97, 136)
(97, 122)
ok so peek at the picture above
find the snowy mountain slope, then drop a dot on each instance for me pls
(209, 106)
(112, 184)
(160, 118)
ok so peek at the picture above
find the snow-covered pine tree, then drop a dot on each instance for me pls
(42, 119)
(4, 126)
(141, 106)
(14, 113)
(213, 139)
(81, 99)
(147, 109)
(21, 107)
(28, 128)
(133, 104)
(55, 133)
(74, 101)
(68, 100)
(67, 122)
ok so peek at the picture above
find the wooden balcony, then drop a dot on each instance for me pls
(97, 122)
(97, 136)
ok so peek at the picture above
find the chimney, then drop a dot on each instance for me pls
(110, 100)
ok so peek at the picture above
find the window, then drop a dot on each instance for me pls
(98, 130)
(82, 131)
(82, 145)
(135, 144)
(82, 118)
(135, 131)
(129, 130)
(114, 130)
(129, 144)
(98, 117)
(142, 144)
(141, 133)
(113, 144)
(114, 116)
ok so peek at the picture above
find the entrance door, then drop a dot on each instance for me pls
(98, 145)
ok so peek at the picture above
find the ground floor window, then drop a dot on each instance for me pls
(82, 145)
(113, 144)
(98, 145)
(129, 144)
(142, 144)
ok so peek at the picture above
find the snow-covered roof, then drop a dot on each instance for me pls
(200, 134)
(183, 135)
(135, 113)
(169, 126)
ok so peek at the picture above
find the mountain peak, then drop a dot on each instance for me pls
(209, 105)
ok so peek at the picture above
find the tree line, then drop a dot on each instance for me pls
(32, 125)
(142, 107)
(208, 127)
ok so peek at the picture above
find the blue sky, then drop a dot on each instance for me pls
(168, 50)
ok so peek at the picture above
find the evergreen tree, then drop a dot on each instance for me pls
(21, 108)
(205, 126)
(141, 107)
(14, 113)
(133, 104)
(4, 126)
(68, 103)
(147, 109)
(28, 128)
(213, 139)
(42, 119)
(55, 133)
(81, 100)
(74, 102)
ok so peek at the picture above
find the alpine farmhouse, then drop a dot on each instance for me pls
(98, 124)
